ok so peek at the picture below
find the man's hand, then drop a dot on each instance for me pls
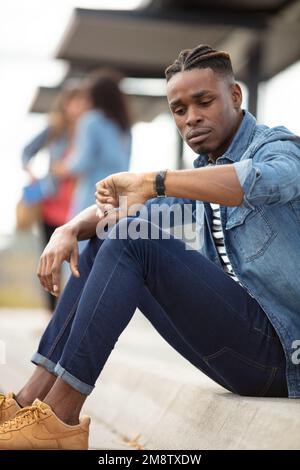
(63, 246)
(135, 187)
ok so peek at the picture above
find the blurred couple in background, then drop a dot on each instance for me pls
(88, 137)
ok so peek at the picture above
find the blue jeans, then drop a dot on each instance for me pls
(196, 307)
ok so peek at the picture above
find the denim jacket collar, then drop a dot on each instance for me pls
(239, 144)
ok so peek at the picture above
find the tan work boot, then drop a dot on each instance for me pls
(37, 427)
(8, 407)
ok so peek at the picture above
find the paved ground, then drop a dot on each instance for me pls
(149, 397)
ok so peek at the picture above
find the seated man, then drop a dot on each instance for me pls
(232, 309)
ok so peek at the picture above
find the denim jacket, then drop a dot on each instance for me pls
(262, 234)
(100, 149)
(56, 147)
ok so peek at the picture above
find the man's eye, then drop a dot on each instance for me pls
(179, 111)
(206, 103)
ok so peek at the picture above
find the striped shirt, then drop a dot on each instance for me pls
(218, 237)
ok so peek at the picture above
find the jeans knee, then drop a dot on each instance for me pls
(92, 246)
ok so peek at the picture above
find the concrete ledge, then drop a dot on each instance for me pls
(150, 392)
(149, 397)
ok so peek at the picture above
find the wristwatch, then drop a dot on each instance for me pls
(159, 183)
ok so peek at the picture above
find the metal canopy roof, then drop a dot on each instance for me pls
(143, 42)
(262, 36)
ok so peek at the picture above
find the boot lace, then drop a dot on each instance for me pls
(27, 415)
(5, 397)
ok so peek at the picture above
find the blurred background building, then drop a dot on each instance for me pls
(45, 44)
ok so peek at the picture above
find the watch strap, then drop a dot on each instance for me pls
(159, 183)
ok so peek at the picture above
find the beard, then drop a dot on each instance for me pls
(210, 149)
(204, 149)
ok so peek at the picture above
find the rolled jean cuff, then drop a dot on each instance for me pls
(43, 361)
(75, 383)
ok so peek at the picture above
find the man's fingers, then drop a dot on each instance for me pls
(101, 185)
(48, 273)
(39, 270)
(55, 271)
(102, 199)
(74, 261)
(103, 191)
(42, 270)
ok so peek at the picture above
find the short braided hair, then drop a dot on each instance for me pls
(201, 57)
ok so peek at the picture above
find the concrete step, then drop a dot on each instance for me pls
(149, 397)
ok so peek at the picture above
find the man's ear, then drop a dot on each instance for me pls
(237, 96)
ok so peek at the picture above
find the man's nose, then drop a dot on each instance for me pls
(194, 116)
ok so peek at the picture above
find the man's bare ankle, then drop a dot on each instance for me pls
(69, 419)
(24, 400)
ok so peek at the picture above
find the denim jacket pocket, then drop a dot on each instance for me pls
(250, 230)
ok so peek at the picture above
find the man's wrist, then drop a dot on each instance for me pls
(154, 184)
(72, 229)
(148, 183)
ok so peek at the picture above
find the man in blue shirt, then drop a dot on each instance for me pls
(231, 308)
